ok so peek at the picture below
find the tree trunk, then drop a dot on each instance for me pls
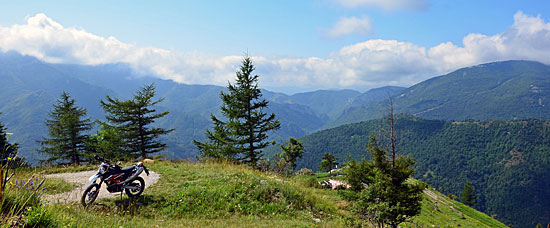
(392, 133)
(1, 182)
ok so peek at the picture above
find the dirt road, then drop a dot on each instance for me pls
(81, 178)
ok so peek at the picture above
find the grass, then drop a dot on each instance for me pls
(67, 168)
(22, 199)
(52, 185)
(226, 195)
(214, 190)
(58, 185)
(440, 210)
(210, 195)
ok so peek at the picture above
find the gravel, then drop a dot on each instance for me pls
(81, 178)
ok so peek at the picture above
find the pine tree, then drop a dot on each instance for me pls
(292, 151)
(7, 150)
(467, 197)
(66, 128)
(285, 162)
(384, 194)
(328, 162)
(107, 142)
(219, 145)
(244, 134)
(132, 117)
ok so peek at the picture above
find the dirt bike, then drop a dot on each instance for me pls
(117, 180)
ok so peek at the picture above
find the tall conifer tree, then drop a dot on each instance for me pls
(132, 117)
(328, 162)
(220, 144)
(66, 128)
(244, 134)
(467, 197)
(7, 150)
(385, 197)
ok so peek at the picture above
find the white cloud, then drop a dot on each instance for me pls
(368, 64)
(415, 5)
(351, 26)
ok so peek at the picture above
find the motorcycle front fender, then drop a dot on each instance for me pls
(93, 178)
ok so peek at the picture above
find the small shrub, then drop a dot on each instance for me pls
(40, 217)
(311, 182)
(451, 196)
(304, 171)
(341, 187)
(20, 196)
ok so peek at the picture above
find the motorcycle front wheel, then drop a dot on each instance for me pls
(135, 188)
(89, 195)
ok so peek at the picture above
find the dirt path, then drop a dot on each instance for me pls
(81, 178)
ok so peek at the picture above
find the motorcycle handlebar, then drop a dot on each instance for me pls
(99, 158)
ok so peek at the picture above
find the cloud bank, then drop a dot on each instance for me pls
(351, 26)
(368, 64)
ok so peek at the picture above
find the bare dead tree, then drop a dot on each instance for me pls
(387, 131)
(392, 132)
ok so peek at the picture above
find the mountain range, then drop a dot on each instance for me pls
(500, 90)
(29, 88)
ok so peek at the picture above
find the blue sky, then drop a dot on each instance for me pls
(298, 45)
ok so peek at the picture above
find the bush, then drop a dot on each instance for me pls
(19, 197)
(304, 171)
(311, 182)
(341, 187)
(40, 217)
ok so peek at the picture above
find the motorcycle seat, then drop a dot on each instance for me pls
(127, 169)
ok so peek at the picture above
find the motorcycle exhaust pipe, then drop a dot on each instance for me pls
(133, 177)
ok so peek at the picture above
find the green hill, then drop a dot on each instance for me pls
(326, 103)
(500, 90)
(225, 195)
(508, 162)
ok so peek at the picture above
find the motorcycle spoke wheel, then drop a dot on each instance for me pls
(139, 185)
(89, 195)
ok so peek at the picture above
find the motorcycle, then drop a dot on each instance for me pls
(117, 180)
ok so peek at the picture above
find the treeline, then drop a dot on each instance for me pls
(507, 162)
(125, 135)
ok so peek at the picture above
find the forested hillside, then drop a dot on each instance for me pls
(500, 90)
(508, 162)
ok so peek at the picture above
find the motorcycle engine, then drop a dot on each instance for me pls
(114, 188)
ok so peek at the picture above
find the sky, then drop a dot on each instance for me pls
(296, 46)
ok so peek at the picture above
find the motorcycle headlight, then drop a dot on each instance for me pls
(102, 169)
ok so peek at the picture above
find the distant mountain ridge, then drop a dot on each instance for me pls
(500, 90)
(29, 87)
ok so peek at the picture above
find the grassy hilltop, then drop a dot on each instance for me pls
(225, 195)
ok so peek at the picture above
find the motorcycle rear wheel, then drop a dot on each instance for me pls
(139, 183)
(89, 195)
